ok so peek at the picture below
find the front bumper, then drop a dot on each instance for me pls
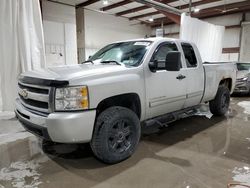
(62, 127)
(242, 87)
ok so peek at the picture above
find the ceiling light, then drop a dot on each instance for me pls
(105, 2)
(196, 10)
(151, 19)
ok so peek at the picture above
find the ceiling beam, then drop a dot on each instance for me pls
(144, 15)
(86, 3)
(132, 10)
(212, 12)
(194, 4)
(173, 17)
(164, 20)
(218, 13)
(129, 11)
(115, 5)
(157, 22)
(181, 7)
(222, 7)
(160, 6)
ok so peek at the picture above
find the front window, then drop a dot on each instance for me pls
(161, 52)
(243, 66)
(127, 53)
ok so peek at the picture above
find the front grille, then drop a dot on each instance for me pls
(33, 89)
(35, 97)
(32, 102)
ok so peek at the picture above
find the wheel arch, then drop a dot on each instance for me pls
(129, 100)
(226, 82)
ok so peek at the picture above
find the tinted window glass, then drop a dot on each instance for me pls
(190, 57)
(243, 66)
(161, 53)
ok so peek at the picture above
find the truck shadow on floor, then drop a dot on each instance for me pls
(80, 156)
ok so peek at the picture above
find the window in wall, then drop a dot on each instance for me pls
(190, 57)
(161, 53)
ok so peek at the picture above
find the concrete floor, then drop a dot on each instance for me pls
(196, 152)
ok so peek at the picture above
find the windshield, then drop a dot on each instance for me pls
(127, 53)
(243, 66)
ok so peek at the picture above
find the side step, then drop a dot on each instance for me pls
(165, 119)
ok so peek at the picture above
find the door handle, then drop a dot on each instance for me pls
(180, 77)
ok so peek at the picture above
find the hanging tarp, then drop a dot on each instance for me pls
(208, 37)
(21, 46)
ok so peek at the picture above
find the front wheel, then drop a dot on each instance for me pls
(116, 134)
(219, 106)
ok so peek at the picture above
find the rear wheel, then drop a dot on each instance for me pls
(116, 134)
(219, 106)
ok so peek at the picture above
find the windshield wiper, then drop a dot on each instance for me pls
(88, 61)
(111, 61)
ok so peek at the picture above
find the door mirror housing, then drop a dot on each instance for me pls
(173, 61)
(153, 65)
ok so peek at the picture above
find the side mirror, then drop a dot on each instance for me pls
(153, 65)
(173, 61)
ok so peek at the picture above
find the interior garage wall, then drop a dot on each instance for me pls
(102, 29)
(245, 40)
(231, 36)
(59, 23)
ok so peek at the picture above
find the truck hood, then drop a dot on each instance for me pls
(70, 72)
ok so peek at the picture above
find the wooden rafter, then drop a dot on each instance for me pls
(124, 2)
(129, 11)
(144, 15)
(212, 12)
(86, 3)
(132, 10)
(218, 10)
(115, 5)
(194, 4)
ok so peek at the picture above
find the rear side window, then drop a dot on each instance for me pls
(161, 53)
(190, 57)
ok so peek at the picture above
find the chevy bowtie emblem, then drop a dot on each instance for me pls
(24, 93)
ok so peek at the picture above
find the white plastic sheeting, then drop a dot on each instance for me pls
(21, 46)
(208, 37)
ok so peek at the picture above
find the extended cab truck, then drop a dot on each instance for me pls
(103, 100)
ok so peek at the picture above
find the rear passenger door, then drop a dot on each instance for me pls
(195, 75)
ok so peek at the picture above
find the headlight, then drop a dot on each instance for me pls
(72, 98)
(245, 78)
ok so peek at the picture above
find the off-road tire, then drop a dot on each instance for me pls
(116, 134)
(219, 106)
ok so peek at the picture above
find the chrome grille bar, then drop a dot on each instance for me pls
(35, 97)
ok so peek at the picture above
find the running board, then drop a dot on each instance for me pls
(165, 119)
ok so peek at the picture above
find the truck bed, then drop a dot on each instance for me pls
(214, 72)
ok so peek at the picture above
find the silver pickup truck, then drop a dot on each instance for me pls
(105, 100)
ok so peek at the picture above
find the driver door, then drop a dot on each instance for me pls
(165, 90)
